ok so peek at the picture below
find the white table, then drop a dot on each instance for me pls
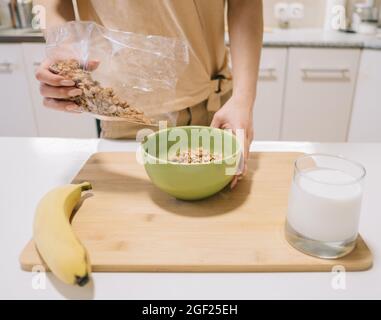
(29, 167)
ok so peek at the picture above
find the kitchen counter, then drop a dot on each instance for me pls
(29, 167)
(320, 39)
(273, 38)
(20, 35)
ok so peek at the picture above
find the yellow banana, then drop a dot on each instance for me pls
(53, 235)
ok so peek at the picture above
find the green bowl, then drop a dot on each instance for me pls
(190, 181)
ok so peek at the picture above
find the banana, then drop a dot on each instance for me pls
(54, 238)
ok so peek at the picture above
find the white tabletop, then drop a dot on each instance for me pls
(29, 167)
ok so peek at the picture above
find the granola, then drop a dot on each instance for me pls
(95, 98)
(198, 155)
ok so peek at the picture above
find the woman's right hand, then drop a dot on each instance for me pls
(56, 90)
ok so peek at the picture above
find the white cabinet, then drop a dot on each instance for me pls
(16, 113)
(319, 92)
(303, 94)
(51, 123)
(270, 91)
(366, 114)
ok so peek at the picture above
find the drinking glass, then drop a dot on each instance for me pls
(324, 205)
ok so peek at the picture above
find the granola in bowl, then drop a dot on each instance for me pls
(198, 155)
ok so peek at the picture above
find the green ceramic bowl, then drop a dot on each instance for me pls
(190, 181)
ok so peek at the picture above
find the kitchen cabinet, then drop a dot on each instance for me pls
(16, 112)
(319, 92)
(51, 123)
(304, 94)
(270, 91)
(366, 115)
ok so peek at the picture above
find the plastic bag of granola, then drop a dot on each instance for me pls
(136, 75)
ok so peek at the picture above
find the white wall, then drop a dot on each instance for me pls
(313, 16)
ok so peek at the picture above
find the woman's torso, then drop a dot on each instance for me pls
(200, 23)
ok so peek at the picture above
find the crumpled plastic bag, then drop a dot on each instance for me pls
(138, 71)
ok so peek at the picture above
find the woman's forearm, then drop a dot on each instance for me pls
(245, 19)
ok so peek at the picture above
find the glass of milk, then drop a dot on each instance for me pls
(324, 205)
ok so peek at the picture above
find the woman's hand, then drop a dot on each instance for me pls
(56, 90)
(237, 114)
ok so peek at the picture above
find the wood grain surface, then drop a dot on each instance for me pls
(127, 224)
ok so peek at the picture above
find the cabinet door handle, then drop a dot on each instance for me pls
(6, 67)
(267, 73)
(342, 73)
(36, 64)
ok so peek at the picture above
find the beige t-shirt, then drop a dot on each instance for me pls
(199, 22)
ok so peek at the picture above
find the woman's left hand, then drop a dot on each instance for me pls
(237, 114)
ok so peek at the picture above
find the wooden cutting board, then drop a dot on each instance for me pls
(127, 224)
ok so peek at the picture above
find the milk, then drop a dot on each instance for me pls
(327, 211)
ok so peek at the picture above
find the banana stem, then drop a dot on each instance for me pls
(85, 186)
